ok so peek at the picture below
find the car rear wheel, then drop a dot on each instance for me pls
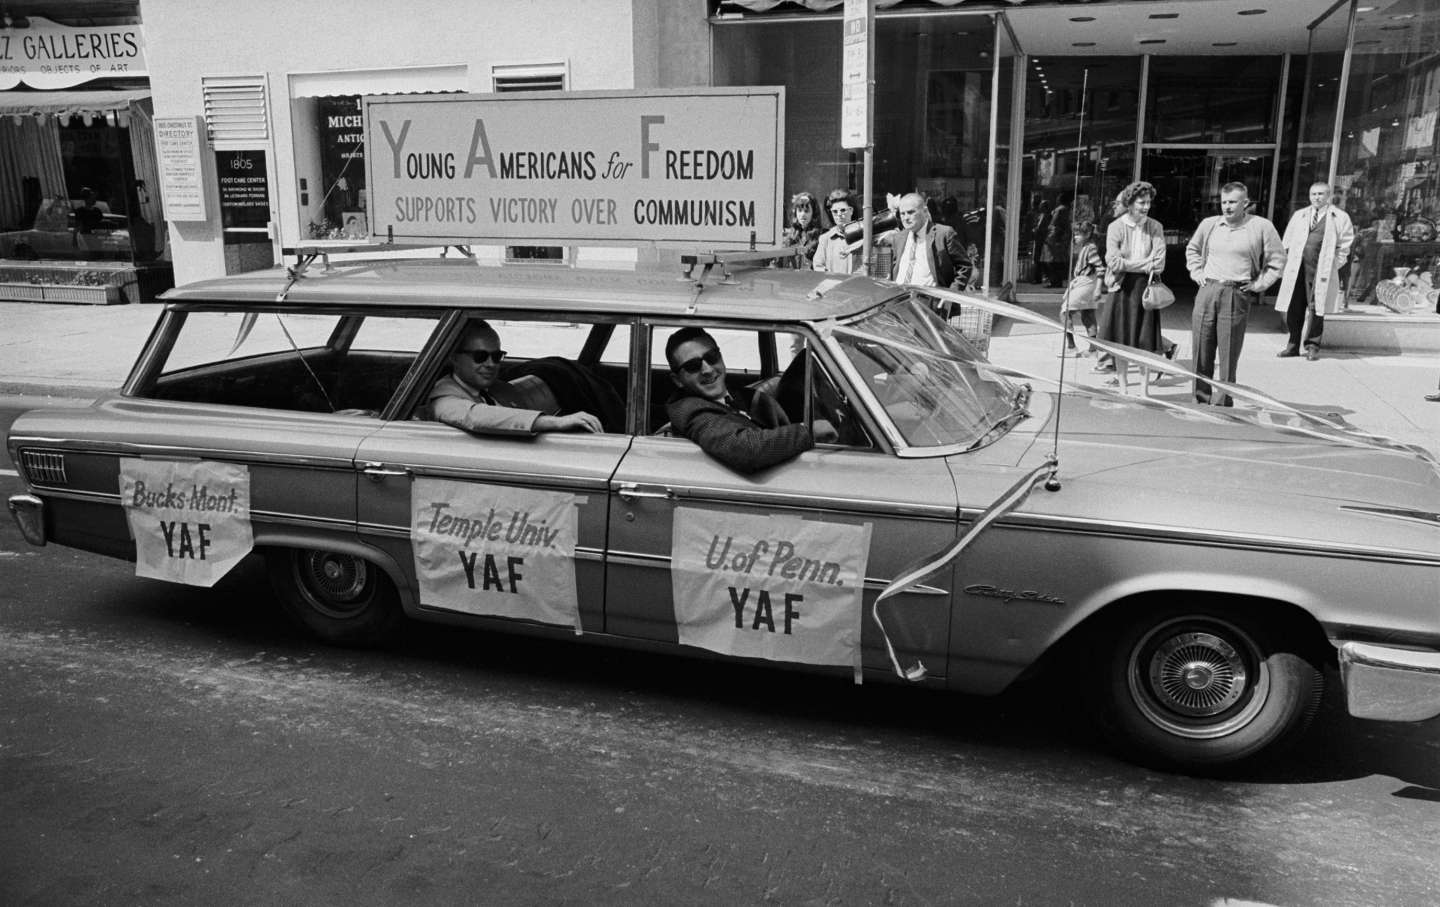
(339, 597)
(1198, 690)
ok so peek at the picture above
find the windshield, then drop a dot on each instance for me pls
(935, 387)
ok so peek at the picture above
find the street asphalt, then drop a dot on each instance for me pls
(54, 354)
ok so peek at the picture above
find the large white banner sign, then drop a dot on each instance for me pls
(700, 165)
(488, 549)
(769, 586)
(190, 521)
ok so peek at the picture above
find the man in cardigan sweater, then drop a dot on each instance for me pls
(1233, 258)
(702, 410)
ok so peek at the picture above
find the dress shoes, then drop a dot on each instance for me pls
(1287, 353)
(1433, 398)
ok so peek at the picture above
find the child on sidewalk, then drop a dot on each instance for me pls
(1087, 277)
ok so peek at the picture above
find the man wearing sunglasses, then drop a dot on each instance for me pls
(474, 397)
(702, 410)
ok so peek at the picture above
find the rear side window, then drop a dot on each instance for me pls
(336, 363)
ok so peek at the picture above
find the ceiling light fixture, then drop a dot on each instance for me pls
(1083, 44)
(1251, 12)
(1164, 16)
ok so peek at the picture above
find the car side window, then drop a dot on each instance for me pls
(765, 372)
(544, 368)
(347, 363)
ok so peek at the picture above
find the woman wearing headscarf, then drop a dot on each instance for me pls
(833, 253)
(802, 228)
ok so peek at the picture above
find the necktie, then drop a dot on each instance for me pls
(1315, 218)
(909, 267)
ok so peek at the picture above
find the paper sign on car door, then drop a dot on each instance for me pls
(776, 586)
(190, 521)
(489, 549)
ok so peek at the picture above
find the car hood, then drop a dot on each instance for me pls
(1127, 461)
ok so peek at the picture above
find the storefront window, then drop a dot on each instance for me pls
(1191, 99)
(1079, 152)
(332, 174)
(932, 104)
(1387, 168)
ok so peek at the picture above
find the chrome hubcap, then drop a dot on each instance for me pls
(334, 583)
(1198, 677)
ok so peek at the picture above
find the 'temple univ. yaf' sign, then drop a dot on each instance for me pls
(692, 166)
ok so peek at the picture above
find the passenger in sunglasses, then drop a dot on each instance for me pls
(745, 439)
(474, 397)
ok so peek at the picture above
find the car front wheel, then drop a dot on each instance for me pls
(1200, 690)
(340, 598)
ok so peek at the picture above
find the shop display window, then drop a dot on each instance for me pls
(1387, 168)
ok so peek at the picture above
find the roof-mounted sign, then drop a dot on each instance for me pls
(689, 166)
(46, 54)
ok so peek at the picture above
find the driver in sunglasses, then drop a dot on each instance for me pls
(474, 397)
(744, 439)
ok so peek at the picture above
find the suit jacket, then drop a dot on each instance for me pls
(732, 437)
(943, 248)
(457, 404)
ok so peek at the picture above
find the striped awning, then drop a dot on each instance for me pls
(95, 103)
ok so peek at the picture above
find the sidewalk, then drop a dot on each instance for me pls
(79, 352)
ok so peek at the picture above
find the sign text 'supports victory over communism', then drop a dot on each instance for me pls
(693, 166)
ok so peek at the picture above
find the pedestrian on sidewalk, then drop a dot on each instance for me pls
(1134, 251)
(1086, 279)
(1317, 245)
(832, 252)
(1233, 258)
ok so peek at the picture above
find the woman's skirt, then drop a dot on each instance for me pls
(1122, 319)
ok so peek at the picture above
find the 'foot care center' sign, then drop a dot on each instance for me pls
(687, 166)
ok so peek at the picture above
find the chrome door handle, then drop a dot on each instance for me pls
(630, 492)
(377, 471)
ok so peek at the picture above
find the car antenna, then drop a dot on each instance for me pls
(1066, 334)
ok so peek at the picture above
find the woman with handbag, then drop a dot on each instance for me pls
(1086, 277)
(1134, 251)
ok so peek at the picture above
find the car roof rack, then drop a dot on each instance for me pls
(728, 259)
(308, 254)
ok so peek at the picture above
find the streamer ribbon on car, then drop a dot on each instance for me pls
(927, 566)
(1300, 421)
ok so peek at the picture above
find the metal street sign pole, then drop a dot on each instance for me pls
(857, 96)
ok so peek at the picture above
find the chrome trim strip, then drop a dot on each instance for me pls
(786, 501)
(288, 519)
(155, 451)
(634, 559)
(548, 480)
(1424, 517)
(1215, 538)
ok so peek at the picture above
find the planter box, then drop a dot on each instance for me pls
(30, 292)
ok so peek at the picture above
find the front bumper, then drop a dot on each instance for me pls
(1390, 684)
(29, 513)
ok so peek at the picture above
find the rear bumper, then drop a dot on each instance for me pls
(1390, 684)
(29, 513)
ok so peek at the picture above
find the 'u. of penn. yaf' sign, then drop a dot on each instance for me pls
(672, 166)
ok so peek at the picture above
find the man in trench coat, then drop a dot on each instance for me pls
(1317, 245)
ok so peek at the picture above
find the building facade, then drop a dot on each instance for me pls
(999, 111)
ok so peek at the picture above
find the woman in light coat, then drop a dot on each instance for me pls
(1317, 245)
